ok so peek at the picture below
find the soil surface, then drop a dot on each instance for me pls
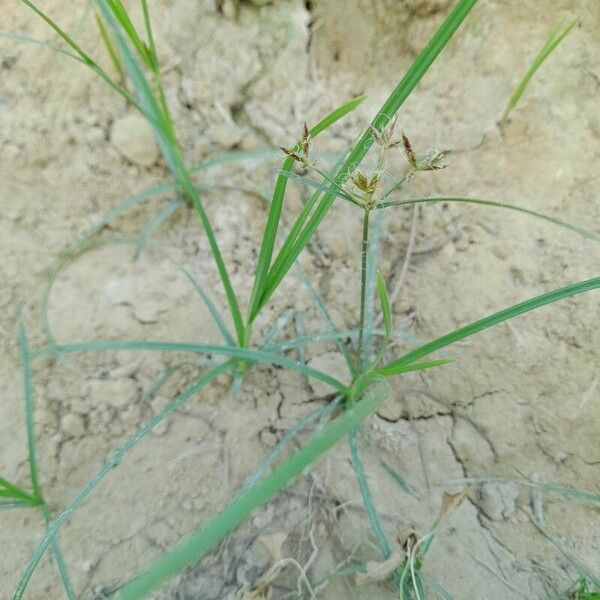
(522, 403)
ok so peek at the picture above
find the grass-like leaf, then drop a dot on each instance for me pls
(555, 38)
(112, 52)
(10, 504)
(199, 543)
(122, 16)
(164, 214)
(32, 455)
(29, 418)
(578, 564)
(55, 525)
(276, 206)
(492, 203)
(333, 330)
(384, 302)
(561, 490)
(169, 147)
(327, 187)
(214, 311)
(233, 351)
(494, 319)
(21, 37)
(398, 478)
(88, 60)
(292, 247)
(363, 484)
(266, 463)
(397, 369)
(10, 490)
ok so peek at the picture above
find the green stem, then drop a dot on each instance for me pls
(58, 556)
(197, 545)
(292, 247)
(29, 421)
(367, 497)
(32, 456)
(55, 525)
(363, 286)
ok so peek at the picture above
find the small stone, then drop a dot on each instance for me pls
(227, 136)
(223, 379)
(72, 425)
(331, 363)
(133, 139)
(88, 565)
(498, 500)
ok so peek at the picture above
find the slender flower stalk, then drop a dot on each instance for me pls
(363, 288)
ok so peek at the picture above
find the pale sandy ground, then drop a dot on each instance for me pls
(525, 398)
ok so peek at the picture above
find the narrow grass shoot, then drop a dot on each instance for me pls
(384, 301)
(503, 315)
(367, 496)
(553, 41)
(36, 498)
(112, 52)
(13, 492)
(153, 107)
(581, 591)
(276, 207)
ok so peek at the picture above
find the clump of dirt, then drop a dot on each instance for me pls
(521, 400)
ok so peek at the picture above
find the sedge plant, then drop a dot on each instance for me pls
(367, 354)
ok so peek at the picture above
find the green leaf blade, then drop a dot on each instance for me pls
(586, 233)
(384, 301)
(295, 244)
(398, 369)
(276, 207)
(494, 319)
(553, 41)
(199, 543)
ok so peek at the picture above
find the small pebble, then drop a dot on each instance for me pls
(73, 425)
(133, 139)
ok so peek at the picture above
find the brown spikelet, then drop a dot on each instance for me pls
(305, 139)
(361, 182)
(376, 135)
(290, 153)
(410, 155)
